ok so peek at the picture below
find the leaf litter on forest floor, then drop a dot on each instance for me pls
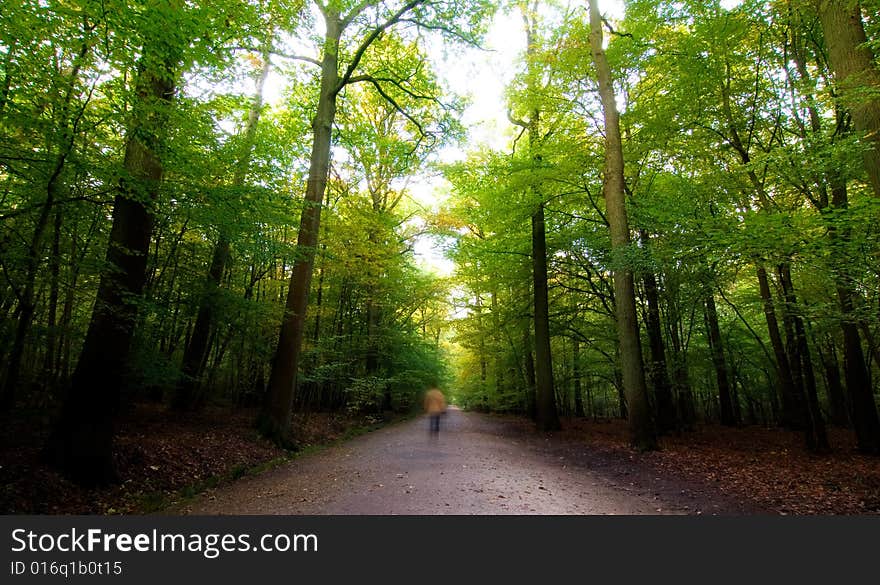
(768, 467)
(159, 454)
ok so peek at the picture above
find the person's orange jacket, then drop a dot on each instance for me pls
(435, 403)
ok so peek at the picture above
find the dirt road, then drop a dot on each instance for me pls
(478, 465)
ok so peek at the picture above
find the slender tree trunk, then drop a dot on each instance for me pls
(531, 406)
(816, 435)
(642, 434)
(792, 349)
(546, 415)
(834, 386)
(50, 358)
(481, 353)
(791, 403)
(194, 355)
(576, 376)
(664, 406)
(69, 298)
(687, 414)
(82, 441)
(275, 418)
(618, 386)
(863, 408)
(319, 301)
(547, 418)
(197, 346)
(716, 346)
(497, 342)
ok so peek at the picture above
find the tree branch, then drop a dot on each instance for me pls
(451, 32)
(376, 83)
(275, 53)
(371, 38)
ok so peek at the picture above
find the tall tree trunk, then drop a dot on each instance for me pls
(687, 414)
(856, 74)
(642, 434)
(864, 408)
(497, 341)
(664, 406)
(855, 367)
(319, 300)
(546, 418)
(50, 358)
(528, 357)
(82, 441)
(858, 384)
(274, 420)
(725, 398)
(792, 411)
(816, 435)
(576, 376)
(70, 296)
(546, 415)
(837, 408)
(195, 354)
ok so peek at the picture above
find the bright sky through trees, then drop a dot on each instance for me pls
(483, 76)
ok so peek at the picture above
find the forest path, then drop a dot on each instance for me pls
(478, 465)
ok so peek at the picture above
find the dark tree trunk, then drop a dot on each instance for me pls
(576, 376)
(319, 300)
(815, 433)
(187, 396)
(687, 414)
(531, 407)
(792, 412)
(664, 406)
(81, 443)
(725, 398)
(546, 415)
(546, 418)
(50, 358)
(863, 408)
(837, 408)
(621, 394)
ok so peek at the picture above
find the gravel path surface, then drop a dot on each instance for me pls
(478, 465)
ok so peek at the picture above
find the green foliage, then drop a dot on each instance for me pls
(725, 170)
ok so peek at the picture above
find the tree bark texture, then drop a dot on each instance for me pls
(664, 405)
(642, 434)
(82, 441)
(274, 420)
(856, 75)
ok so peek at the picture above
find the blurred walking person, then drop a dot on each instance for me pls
(435, 406)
